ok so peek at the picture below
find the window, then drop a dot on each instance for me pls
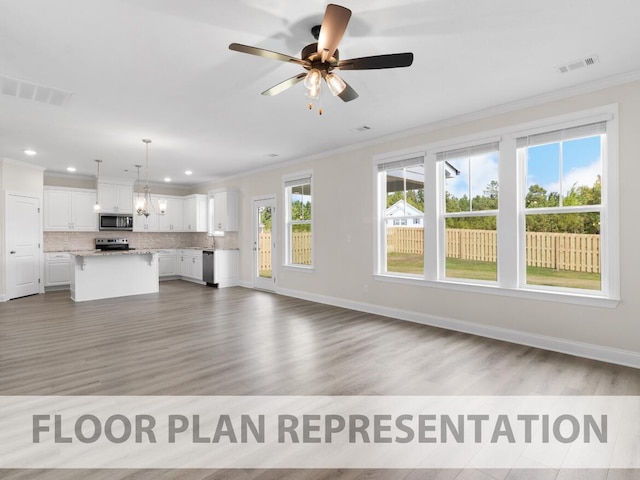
(528, 211)
(470, 204)
(299, 221)
(563, 207)
(403, 202)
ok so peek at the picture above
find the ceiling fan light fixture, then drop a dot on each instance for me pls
(336, 84)
(313, 92)
(312, 80)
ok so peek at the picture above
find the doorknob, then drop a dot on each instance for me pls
(12, 252)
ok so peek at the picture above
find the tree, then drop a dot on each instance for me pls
(588, 222)
(265, 219)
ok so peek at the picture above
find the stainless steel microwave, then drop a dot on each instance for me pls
(116, 221)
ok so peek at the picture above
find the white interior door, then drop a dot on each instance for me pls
(264, 243)
(23, 245)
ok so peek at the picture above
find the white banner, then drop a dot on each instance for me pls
(320, 432)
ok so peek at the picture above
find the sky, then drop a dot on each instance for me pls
(483, 169)
(581, 165)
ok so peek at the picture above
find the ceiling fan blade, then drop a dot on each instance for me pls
(334, 24)
(261, 52)
(393, 60)
(348, 94)
(282, 86)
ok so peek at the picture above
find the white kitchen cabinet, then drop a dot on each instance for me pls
(167, 263)
(69, 209)
(115, 198)
(190, 264)
(171, 221)
(195, 213)
(145, 224)
(226, 268)
(225, 211)
(57, 269)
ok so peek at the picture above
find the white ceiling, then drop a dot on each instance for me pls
(161, 69)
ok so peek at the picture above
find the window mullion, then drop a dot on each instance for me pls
(508, 214)
(433, 188)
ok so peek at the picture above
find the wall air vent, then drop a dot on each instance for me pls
(576, 64)
(25, 90)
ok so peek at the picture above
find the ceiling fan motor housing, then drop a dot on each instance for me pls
(310, 52)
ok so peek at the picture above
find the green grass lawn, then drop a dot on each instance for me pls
(264, 273)
(414, 264)
(563, 278)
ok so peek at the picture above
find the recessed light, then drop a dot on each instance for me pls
(188, 172)
(71, 169)
(30, 152)
(167, 179)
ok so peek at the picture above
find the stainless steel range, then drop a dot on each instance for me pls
(112, 244)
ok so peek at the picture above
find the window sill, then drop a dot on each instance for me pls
(529, 293)
(299, 268)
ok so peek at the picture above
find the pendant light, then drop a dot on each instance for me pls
(139, 197)
(96, 207)
(144, 205)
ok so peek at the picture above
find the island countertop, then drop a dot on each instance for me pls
(106, 253)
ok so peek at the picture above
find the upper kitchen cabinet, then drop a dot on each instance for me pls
(69, 209)
(171, 220)
(194, 218)
(225, 211)
(115, 197)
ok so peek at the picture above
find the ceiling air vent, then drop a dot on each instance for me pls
(33, 91)
(575, 65)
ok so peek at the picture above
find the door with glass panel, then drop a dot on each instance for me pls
(264, 243)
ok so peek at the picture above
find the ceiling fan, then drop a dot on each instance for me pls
(322, 58)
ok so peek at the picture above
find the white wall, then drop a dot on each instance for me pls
(343, 268)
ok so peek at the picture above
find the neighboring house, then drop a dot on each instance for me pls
(396, 215)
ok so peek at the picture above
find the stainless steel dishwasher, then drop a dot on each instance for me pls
(207, 268)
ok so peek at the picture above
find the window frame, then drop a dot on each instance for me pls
(510, 215)
(443, 215)
(289, 223)
(380, 233)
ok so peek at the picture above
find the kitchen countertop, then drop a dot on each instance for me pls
(89, 252)
(100, 253)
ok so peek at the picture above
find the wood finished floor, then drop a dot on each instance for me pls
(194, 340)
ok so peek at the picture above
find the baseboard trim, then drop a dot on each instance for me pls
(3, 298)
(578, 349)
(56, 288)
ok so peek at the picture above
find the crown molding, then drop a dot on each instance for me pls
(19, 163)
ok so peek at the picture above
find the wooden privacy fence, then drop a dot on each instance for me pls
(264, 251)
(578, 252)
(561, 251)
(300, 254)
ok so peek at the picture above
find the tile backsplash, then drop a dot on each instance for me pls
(71, 241)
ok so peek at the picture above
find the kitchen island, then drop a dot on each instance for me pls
(107, 274)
